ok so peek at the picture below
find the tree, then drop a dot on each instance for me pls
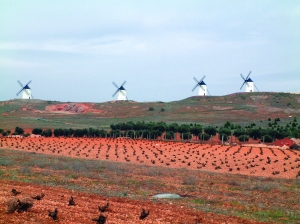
(255, 133)
(267, 138)
(184, 128)
(160, 126)
(210, 130)
(224, 131)
(196, 129)
(146, 134)
(78, 133)
(19, 130)
(239, 132)
(37, 131)
(243, 138)
(186, 136)
(169, 135)
(174, 127)
(206, 137)
(225, 137)
(130, 134)
(47, 133)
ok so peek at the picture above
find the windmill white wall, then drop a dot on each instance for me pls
(202, 90)
(122, 95)
(26, 94)
(249, 87)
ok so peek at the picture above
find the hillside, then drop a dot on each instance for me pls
(242, 108)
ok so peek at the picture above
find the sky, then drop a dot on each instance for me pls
(73, 50)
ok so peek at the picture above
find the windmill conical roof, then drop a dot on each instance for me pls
(121, 88)
(249, 80)
(26, 87)
(202, 83)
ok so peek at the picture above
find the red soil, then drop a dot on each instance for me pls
(247, 160)
(72, 108)
(120, 211)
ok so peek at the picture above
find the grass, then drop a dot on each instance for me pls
(209, 191)
(193, 109)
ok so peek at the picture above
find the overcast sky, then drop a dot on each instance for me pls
(74, 50)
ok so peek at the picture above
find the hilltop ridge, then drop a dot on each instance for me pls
(241, 108)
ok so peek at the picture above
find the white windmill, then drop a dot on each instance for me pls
(121, 91)
(249, 87)
(202, 91)
(26, 91)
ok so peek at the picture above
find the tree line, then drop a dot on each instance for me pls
(162, 130)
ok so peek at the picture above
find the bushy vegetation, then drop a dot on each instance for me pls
(37, 131)
(47, 133)
(243, 138)
(19, 130)
(154, 130)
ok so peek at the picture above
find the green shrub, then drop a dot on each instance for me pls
(47, 133)
(206, 137)
(162, 109)
(151, 108)
(169, 135)
(243, 138)
(186, 136)
(4, 133)
(19, 130)
(210, 130)
(267, 138)
(239, 132)
(1, 130)
(26, 135)
(37, 131)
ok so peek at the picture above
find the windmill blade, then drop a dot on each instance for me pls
(195, 87)
(115, 85)
(115, 92)
(28, 83)
(242, 85)
(20, 91)
(248, 75)
(202, 78)
(123, 84)
(256, 88)
(243, 77)
(20, 84)
(208, 92)
(196, 80)
(202, 87)
(243, 82)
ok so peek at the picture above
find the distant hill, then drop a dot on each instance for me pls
(242, 108)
